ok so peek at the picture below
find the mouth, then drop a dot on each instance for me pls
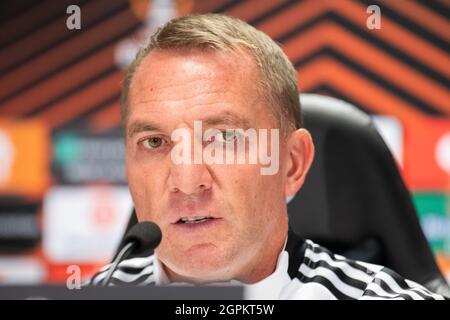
(194, 220)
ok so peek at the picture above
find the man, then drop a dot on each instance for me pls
(226, 221)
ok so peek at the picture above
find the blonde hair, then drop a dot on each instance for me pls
(278, 77)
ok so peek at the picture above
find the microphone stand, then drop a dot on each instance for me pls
(124, 252)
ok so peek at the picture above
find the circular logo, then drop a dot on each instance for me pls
(6, 156)
(442, 152)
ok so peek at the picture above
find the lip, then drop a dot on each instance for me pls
(195, 227)
(196, 215)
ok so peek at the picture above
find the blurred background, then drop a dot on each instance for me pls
(63, 193)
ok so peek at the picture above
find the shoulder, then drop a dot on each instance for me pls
(132, 271)
(348, 279)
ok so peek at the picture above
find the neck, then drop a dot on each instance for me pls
(257, 271)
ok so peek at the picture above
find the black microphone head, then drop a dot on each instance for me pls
(146, 235)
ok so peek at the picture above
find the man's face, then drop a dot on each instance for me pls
(246, 210)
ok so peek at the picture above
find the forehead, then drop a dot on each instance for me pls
(157, 68)
(172, 78)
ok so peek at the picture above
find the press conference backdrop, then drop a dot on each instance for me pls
(63, 194)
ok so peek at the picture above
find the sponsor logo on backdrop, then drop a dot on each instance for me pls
(21, 270)
(82, 157)
(24, 158)
(84, 224)
(427, 154)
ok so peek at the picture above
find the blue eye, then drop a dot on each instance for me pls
(228, 136)
(152, 142)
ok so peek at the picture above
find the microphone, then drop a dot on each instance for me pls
(141, 237)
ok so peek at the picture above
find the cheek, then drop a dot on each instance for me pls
(145, 185)
(138, 192)
(250, 193)
(239, 187)
(135, 179)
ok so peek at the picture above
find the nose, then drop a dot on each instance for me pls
(190, 179)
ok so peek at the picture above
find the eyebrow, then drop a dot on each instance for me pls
(139, 126)
(227, 118)
(222, 118)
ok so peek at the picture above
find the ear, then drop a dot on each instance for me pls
(300, 154)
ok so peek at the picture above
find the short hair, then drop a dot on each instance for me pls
(218, 32)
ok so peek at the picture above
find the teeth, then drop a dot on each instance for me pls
(194, 219)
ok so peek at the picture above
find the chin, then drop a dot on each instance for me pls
(202, 263)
